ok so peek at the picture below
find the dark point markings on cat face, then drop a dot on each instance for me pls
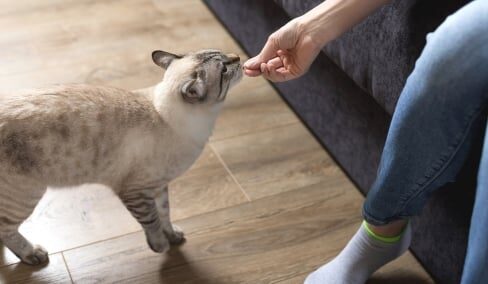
(200, 88)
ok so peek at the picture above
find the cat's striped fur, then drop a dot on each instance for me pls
(133, 142)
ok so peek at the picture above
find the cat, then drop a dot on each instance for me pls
(133, 142)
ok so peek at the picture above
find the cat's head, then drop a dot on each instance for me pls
(202, 77)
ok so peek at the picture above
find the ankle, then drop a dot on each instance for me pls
(391, 230)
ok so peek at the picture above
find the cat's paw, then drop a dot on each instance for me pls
(160, 244)
(177, 236)
(37, 256)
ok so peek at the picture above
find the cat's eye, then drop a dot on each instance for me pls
(224, 69)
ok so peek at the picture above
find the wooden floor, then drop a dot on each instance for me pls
(263, 204)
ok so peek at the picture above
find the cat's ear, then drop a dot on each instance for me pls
(194, 91)
(163, 58)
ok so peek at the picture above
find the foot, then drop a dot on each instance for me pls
(177, 236)
(37, 256)
(362, 256)
(23, 249)
(157, 241)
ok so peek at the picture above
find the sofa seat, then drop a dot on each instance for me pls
(347, 97)
(379, 53)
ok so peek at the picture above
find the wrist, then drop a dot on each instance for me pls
(314, 28)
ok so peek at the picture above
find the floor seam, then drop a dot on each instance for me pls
(99, 241)
(257, 131)
(229, 171)
(67, 268)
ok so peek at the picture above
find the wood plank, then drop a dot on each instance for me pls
(66, 219)
(206, 187)
(59, 44)
(53, 272)
(266, 241)
(252, 106)
(404, 270)
(223, 246)
(277, 160)
(278, 238)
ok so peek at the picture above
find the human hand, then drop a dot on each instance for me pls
(287, 54)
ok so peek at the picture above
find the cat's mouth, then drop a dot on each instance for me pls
(234, 75)
(234, 61)
(237, 72)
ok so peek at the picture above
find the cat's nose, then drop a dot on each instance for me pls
(233, 57)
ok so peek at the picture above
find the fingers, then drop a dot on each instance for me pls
(268, 52)
(251, 64)
(252, 73)
(284, 57)
(280, 75)
(252, 67)
(274, 74)
(273, 63)
(275, 69)
(281, 52)
(264, 70)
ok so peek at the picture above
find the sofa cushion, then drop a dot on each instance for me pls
(352, 127)
(379, 53)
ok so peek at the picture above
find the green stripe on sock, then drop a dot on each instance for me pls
(380, 238)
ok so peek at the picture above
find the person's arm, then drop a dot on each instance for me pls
(332, 18)
(289, 52)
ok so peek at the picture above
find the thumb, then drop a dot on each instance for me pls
(268, 52)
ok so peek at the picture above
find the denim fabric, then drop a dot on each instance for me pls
(441, 104)
(476, 263)
(430, 131)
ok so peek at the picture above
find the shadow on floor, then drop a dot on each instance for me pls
(399, 279)
(17, 272)
(176, 268)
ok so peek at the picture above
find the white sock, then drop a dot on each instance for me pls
(363, 255)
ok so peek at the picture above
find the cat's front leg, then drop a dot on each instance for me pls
(16, 205)
(23, 249)
(173, 232)
(141, 204)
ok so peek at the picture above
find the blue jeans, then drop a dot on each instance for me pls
(432, 129)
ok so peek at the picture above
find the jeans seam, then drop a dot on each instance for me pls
(375, 221)
(439, 166)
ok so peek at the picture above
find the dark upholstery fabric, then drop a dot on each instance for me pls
(352, 126)
(342, 116)
(379, 53)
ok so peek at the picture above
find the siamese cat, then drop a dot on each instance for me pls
(133, 142)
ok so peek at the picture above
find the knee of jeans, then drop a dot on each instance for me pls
(464, 32)
(456, 54)
(466, 29)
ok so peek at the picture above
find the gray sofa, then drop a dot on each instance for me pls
(347, 99)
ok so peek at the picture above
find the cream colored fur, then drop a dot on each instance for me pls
(134, 142)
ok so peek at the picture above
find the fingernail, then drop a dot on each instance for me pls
(249, 62)
(254, 62)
